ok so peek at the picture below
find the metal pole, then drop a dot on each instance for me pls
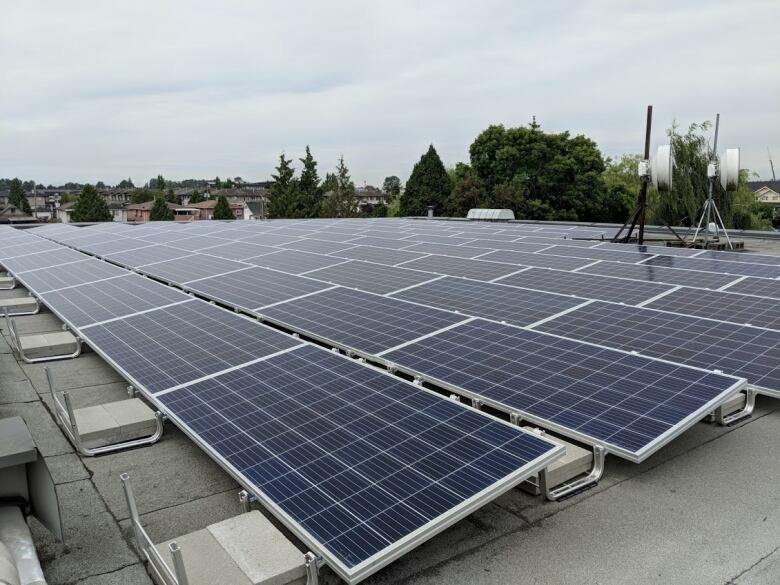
(178, 564)
(708, 205)
(643, 188)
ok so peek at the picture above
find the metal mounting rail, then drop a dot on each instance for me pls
(747, 411)
(578, 484)
(67, 420)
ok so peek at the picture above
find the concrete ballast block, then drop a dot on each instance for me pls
(263, 552)
(205, 561)
(48, 344)
(133, 416)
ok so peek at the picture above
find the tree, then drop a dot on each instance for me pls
(284, 191)
(100, 185)
(160, 210)
(222, 209)
(217, 183)
(142, 196)
(160, 186)
(342, 200)
(558, 176)
(228, 183)
(90, 206)
(468, 191)
(196, 197)
(309, 190)
(18, 198)
(428, 184)
(392, 186)
(126, 184)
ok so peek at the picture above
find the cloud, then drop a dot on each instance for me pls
(193, 89)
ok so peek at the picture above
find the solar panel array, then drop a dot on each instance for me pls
(360, 464)
(363, 322)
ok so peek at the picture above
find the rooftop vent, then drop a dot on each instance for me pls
(490, 214)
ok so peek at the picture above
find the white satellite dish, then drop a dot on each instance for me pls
(661, 168)
(729, 169)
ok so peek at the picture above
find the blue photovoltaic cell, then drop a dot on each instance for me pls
(521, 246)
(586, 286)
(676, 276)
(748, 352)
(116, 297)
(83, 271)
(37, 260)
(762, 287)
(360, 460)
(384, 256)
(596, 254)
(359, 320)
(540, 260)
(476, 268)
(493, 301)
(255, 287)
(371, 277)
(149, 255)
(724, 306)
(295, 262)
(710, 265)
(179, 344)
(317, 246)
(746, 257)
(627, 402)
(193, 267)
(448, 250)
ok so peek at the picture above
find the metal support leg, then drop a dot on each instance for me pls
(67, 420)
(16, 343)
(246, 499)
(312, 564)
(12, 286)
(729, 419)
(578, 484)
(160, 570)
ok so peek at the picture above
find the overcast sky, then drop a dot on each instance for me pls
(108, 90)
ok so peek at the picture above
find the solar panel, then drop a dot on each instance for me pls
(179, 344)
(596, 254)
(521, 246)
(676, 276)
(748, 352)
(238, 250)
(379, 255)
(636, 248)
(710, 265)
(163, 237)
(108, 299)
(539, 260)
(45, 259)
(367, 465)
(629, 404)
(317, 246)
(747, 257)
(724, 306)
(382, 242)
(358, 320)
(482, 299)
(585, 285)
(26, 248)
(197, 243)
(547, 241)
(80, 272)
(294, 262)
(448, 250)
(112, 246)
(255, 287)
(194, 267)
(149, 255)
(371, 277)
(478, 269)
(763, 287)
(441, 239)
(267, 239)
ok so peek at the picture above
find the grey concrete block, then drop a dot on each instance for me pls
(96, 426)
(35, 323)
(18, 305)
(133, 416)
(40, 345)
(205, 561)
(262, 552)
(6, 281)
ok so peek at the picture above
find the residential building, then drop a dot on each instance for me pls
(12, 214)
(206, 208)
(141, 212)
(766, 192)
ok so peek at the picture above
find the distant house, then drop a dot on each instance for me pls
(12, 214)
(142, 212)
(254, 210)
(206, 208)
(118, 211)
(766, 191)
(369, 197)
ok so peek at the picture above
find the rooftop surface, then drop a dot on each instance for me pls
(705, 509)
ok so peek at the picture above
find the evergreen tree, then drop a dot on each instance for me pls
(309, 190)
(90, 206)
(342, 201)
(17, 197)
(222, 209)
(160, 183)
(142, 196)
(160, 210)
(217, 183)
(284, 191)
(196, 197)
(429, 184)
